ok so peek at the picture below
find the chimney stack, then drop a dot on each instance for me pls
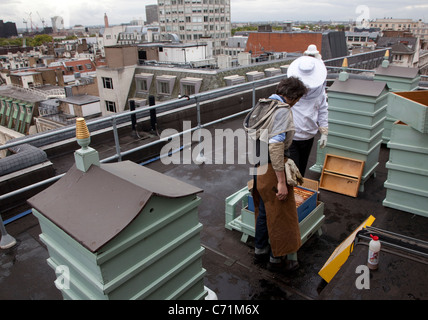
(105, 20)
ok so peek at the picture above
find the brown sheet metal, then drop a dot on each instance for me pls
(95, 206)
(359, 87)
(151, 180)
(396, 71)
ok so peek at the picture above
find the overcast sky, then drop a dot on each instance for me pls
(91, 12)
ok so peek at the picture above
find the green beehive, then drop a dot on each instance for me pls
(407, 181)
(397, 79)
(411, 108)
(357, 111)
(121, 231)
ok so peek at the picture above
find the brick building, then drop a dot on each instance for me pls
(8, 29)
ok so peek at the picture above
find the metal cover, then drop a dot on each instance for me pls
(359, 87)
(399, 72)
(93, 207)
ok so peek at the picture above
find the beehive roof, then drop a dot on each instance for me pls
(397, 71)
(93, 207)
(359, 87)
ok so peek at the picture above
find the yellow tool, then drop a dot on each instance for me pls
(341, 253)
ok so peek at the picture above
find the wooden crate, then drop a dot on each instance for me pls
(341, 175)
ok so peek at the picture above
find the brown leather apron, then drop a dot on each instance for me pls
(281, 216)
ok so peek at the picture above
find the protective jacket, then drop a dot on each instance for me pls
(310, 114)
(282, 219)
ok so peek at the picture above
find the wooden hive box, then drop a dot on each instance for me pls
(311, 212)
(398, 79)
(341, 175)
(407, 180)
(411, 108)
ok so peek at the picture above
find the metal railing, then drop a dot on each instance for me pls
(193, 101)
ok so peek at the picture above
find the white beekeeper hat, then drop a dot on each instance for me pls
(312, 72)
(312, 51)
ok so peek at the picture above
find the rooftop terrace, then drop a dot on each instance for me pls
(231, 273)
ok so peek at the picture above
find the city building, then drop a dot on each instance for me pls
(152, 15)
(361, 39)
(235, 45)
(57, 113)
(330, 44)
(418, 28)
(197, 20)
(8, 29)
(136, 34)
(404, 51)
(57, 24)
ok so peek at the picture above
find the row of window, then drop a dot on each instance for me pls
(165, 84)
(217, 11)
(362, 39)
(194, 19)
(392, 25)
(79, 67)
(178, 2)
(129, 36)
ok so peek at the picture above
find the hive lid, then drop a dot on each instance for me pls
(396, 71)
(359, 87)
(93, 207)
(153, 181)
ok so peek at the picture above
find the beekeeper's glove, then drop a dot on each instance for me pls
(324, 133)
(323, 141)
(293, 174)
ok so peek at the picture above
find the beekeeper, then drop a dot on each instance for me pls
(310, 113)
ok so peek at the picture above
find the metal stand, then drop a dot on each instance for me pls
(7, 241)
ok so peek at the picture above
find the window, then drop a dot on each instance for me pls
(107, 83)
(187, 89)
(142, 85)
(143, 82)
(189, 86)
(111, 106)
(165, 84)
(163, 87)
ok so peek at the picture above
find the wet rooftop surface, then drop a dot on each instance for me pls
(230, 272)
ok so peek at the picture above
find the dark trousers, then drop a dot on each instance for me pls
(299, 153)
(261, 237)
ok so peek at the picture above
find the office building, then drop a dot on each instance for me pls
(197, 20)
